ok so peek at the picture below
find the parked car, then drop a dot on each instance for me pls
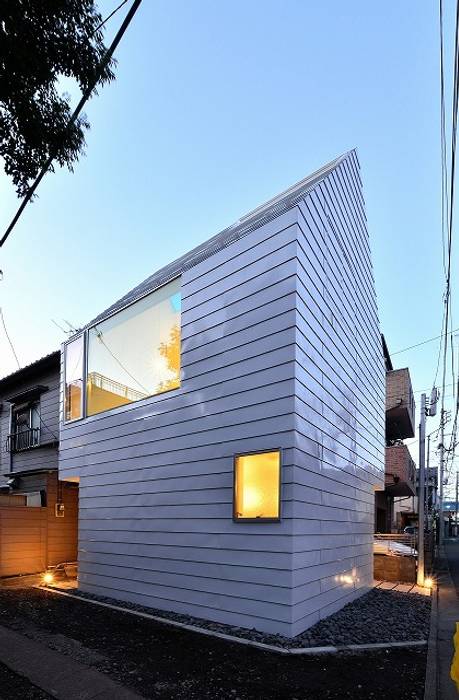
(410, 530)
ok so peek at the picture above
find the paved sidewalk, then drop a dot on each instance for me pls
(439, 685)
(56, 674)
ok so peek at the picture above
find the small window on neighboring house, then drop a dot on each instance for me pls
(73, 399)
(257, 486)
(25, 428)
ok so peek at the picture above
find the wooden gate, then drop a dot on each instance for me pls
(23, 540)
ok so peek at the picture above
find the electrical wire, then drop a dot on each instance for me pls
(444, 164)
(424, 391)
(86, 95)
(109, 17)
(447, 211)
(47, 427)
(445, 464)
(100, 338)
(423, 342)
(8, 338)
(439, 349)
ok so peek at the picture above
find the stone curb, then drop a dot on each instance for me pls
(431, 691)
(292, 651)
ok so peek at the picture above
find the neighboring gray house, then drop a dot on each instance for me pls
(225, 419)
(38, 513)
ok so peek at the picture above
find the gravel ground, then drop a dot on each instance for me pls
(378, 616)
(14, 686)
(159, 661)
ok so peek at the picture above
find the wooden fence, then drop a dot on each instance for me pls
(23, 540)
(33, 538)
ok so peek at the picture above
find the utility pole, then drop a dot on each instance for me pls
(421, 500)
(429, 410)
(441, 446)
(427, 482)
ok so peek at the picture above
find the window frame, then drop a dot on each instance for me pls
(238, 519)
(25, 406)
(85, 335)
(68, 421)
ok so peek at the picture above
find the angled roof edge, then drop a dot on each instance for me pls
(249, 222)
(24, 372)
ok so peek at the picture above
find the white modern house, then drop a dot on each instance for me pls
(225, 419)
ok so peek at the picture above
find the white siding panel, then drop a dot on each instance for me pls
(280, 349)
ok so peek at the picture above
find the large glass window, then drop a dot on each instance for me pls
(257, 486)
(74, 360)
(136, 352)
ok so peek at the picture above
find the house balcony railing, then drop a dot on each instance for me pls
(23, 440)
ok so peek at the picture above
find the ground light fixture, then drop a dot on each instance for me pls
(428, 582)
(48, 577)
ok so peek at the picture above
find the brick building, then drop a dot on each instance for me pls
(400, 469)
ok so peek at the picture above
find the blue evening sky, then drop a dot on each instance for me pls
(217, 107)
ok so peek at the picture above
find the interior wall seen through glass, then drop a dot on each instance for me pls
(257, 485)
(74, 360)
(136, 352)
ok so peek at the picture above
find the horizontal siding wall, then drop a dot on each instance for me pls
(339, 451)
(155, 492)
(280, 348)
(38, 457)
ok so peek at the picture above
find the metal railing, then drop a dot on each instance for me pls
(23, 440)
(395, 544)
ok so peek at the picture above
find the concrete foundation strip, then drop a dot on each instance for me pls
(292, 651)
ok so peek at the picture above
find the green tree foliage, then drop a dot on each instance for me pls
(40, 42)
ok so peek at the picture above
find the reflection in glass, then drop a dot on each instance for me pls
(257, 486)
(136, 352)
(74, 379)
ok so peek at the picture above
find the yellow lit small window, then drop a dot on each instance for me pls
(257, 486)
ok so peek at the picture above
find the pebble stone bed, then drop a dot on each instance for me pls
(376, 617)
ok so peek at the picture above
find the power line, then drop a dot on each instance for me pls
(109, 17)
(100, 337)
(423, 342)
(87, 93)
(447, 294)
(423, 391)
(439, 349)
(9, 339)
(444, 163)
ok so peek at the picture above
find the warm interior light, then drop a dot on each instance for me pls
(48, 577)
(257, 485)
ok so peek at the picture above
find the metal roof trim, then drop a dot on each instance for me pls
(256, 218)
